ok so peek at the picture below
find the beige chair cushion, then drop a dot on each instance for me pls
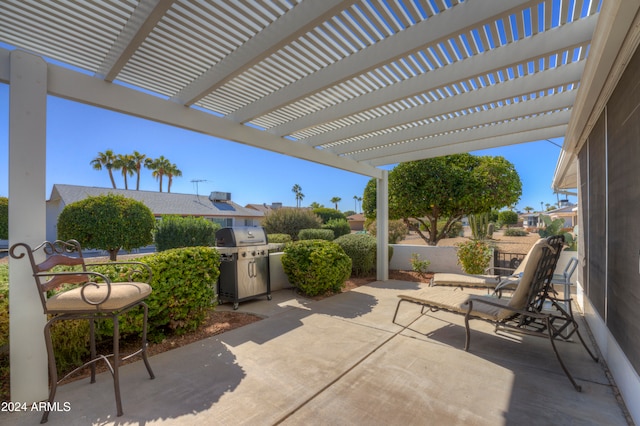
(122, 295)
(451, 300)
(520, 295)
(464, 280)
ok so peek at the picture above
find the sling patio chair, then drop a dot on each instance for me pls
(530, 310)
(83, 294)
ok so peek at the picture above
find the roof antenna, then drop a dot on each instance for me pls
(197, 181)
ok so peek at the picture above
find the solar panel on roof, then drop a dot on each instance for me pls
(224, 206)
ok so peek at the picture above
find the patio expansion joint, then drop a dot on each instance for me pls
(348, 370)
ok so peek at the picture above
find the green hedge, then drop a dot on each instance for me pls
(361, 248)
(316, 266)
(176, 231)
(4, 218)
(339, 227)
(316, 234)
(279, 238)
(184, 282)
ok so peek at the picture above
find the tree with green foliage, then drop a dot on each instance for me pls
(171, 172)
(158, 167)
(107, 160)
(299, 195)
(290, 221)
(335, 201)
(126, 164)
(138, 161)
(425, 191)
(507, 217)
(4, 218)
(107, 222)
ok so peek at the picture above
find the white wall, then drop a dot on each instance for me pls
(443, 259)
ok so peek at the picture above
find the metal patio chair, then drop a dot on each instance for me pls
(532, 309)
(70, 290)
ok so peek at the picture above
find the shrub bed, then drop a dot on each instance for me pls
(316, 267)
(515, 232)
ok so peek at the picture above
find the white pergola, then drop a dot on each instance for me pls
(352, 84)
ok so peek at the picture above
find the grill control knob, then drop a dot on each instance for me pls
(253, 253)
(244, 254)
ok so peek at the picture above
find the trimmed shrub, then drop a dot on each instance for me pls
(176, 231)
(279, 238)
(107, 222)
(316, 234)
(338, 226)
(184, 282)
(327, 214)
(361, 248)
(316, 267)
(515, 232)
(290, 221)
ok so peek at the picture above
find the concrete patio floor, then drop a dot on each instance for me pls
(342, 361)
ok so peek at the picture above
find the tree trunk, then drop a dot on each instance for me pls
(113, 254)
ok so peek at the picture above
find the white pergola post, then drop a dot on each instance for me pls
(27, 222)
(382, 225)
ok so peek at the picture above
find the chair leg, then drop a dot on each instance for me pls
(53, 372)
(92, 346)
(144, 341)
(116, 364)
(555, 350)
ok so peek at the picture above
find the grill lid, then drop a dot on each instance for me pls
(241, 236)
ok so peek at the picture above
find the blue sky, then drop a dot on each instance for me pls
(76, 133)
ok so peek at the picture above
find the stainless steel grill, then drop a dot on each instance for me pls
(244, 270)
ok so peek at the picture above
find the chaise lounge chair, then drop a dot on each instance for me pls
(530, 310)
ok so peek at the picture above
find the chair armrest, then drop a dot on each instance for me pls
(139, 268)
(473, 299)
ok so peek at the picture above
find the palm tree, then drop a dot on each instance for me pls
(126, 164)
(336, 200)
(355, 203)
(106, 160)
(138, 160)
(360, 203)
(158, 167)
(299, 195)
(171, 172)
(528, 209)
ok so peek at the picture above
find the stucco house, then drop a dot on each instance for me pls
(216, 207)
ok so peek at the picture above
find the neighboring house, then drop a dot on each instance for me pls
(568, 213)
(264, 208)
(217, 207)
(356, 221)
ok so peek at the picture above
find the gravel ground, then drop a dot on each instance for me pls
(502, 242)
